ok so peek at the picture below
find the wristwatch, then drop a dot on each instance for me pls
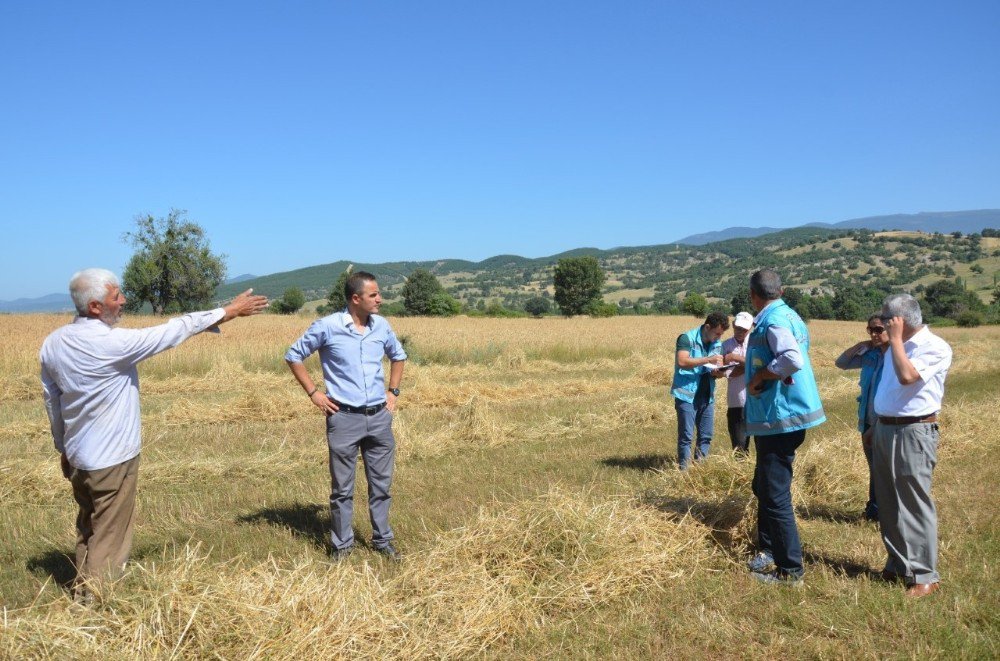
(394, 391)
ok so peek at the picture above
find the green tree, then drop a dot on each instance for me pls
(443, 305)
(741, 301)
(946, 298)
(695, 304)
(424, 295)
(173, 268)
(578, 282)
(290, 302)
(335, 300)
(537, 306)
(600, 308)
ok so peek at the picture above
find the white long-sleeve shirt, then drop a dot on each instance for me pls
(91, 384)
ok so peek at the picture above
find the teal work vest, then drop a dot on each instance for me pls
(685, 383)
(781, 407)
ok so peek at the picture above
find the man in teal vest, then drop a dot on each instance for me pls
(782, 403)
(699, 352)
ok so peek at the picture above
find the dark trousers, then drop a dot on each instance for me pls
(871, 505)
(737, 429)
(772, 484)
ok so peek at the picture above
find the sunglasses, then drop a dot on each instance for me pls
(877, 329)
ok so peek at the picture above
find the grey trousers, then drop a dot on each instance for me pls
(903, 460)
(105, 521)
(372, 434)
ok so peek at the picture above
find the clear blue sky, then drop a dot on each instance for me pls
(301, 133)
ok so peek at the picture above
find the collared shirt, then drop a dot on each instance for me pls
(737, 388)
(787, 355)
(351, 360)
(91, 384)
(931, 357)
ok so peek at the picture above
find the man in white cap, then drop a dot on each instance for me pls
(734, 351)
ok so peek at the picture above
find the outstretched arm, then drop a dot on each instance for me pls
(244, 305)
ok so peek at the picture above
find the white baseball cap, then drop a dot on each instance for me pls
(743, 320)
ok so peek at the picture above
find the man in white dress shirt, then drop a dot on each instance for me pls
(907, 403)
(91, 389)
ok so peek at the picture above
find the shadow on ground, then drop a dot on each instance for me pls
(308, 521)
(60, 566)
(832, 514)
(840, 565)
(727, 519)
(56, 564)
(642, 462)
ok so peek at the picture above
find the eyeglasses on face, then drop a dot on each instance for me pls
(876, 329)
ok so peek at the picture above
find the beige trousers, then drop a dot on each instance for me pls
(105, 522)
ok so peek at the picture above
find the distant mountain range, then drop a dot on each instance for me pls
(63, 302)
(633, 268)
(50, 303)
(966, 222)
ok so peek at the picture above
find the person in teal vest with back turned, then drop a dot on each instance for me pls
(699, 353)
(782, 403)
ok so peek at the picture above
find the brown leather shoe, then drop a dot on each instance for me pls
(922, 589)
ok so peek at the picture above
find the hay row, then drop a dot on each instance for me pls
(509, 570)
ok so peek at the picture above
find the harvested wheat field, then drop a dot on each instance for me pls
(535, 503)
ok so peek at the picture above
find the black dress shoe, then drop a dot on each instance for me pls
(390, 552)
(339, 555)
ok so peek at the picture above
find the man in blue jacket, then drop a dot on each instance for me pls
(782, 403)
(699, 354)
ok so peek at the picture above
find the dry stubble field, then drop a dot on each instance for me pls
(534, 499)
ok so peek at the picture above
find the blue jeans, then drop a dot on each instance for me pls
(701, 414)
(772, 484)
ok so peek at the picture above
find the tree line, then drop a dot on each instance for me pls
(174, 270)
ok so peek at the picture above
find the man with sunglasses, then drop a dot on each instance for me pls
(907, 403)
(867, 356)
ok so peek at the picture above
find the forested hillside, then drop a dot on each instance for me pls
(830, 273)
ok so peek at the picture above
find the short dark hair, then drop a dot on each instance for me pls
(716, 319)
(355, 284)
(766, 283)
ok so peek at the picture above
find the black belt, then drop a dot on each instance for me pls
(909, 420)
(364, 410)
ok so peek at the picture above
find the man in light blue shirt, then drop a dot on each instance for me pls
(91, 389)
(358, 406)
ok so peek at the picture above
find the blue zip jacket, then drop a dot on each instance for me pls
(781, 407)
(685, 383)
(871, 373)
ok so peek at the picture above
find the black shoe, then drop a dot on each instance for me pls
(339, 555)
(390, 552)
(871, 513)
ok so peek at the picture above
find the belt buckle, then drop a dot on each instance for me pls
(371, 410)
